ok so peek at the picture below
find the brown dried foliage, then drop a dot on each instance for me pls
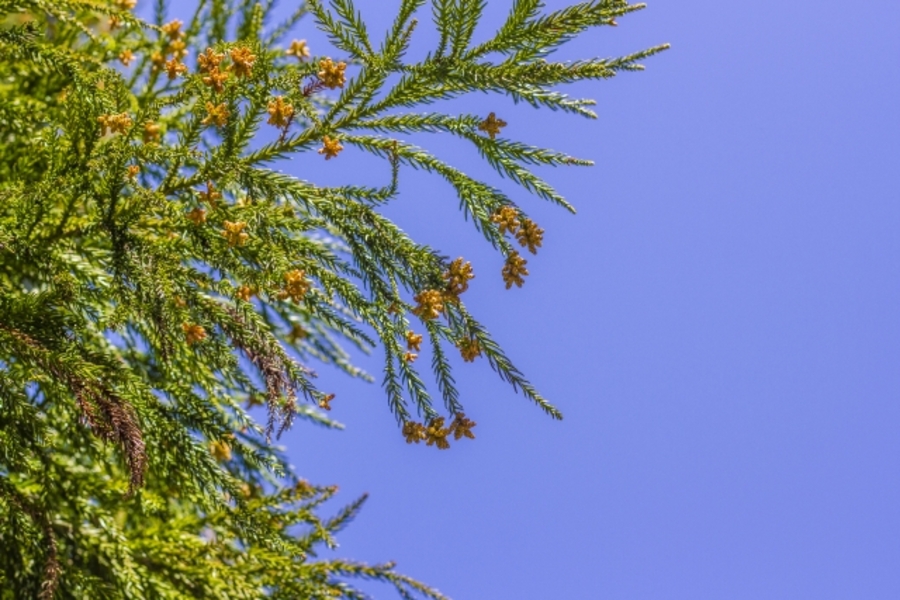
(113, 420)
(273, 365)
(109, 416)
(52, 567)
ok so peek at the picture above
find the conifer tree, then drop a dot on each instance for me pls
(161, 275)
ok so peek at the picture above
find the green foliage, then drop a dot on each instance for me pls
(160, 276)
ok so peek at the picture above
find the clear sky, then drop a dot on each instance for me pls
(720, 324)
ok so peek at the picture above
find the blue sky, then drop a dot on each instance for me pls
(720, 324)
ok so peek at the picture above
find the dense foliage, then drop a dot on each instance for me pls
(160, 276)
